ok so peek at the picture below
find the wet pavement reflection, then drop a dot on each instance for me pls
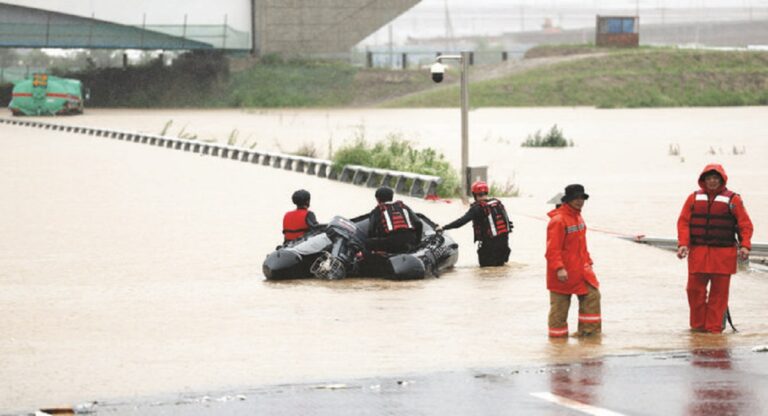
(723, 394)
(707, 381)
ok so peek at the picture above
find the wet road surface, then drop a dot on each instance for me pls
(701, 382)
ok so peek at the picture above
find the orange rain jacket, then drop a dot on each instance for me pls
(711, 259)
(567, 247)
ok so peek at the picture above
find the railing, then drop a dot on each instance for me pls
(407, 183)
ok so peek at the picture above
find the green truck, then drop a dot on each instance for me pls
(44, 94)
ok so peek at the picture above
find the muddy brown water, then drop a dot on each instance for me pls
(129, 270)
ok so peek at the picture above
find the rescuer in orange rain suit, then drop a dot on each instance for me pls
(713, 229)
(569, 267)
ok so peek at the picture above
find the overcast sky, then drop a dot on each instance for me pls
(470, 16)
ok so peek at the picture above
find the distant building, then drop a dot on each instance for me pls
(621, 31)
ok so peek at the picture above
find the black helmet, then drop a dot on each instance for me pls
(300, 197)
(384, 194)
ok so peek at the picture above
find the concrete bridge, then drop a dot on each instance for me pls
(294, 27)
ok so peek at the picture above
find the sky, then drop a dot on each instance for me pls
(427, 18)
(494, 17)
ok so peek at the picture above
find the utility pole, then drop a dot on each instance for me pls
(463, 59)
(464, 123)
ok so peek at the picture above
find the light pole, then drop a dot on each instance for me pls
(438, 69)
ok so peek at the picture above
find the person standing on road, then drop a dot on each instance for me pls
(712, 230)
(491, 225)
(300, 220)
(569, 267)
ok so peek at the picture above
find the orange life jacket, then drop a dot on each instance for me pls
(295, 224)
(712, 222)
(495, 221)
(395, 217)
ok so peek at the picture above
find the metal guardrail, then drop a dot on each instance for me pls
(758, 249)
(408, 183)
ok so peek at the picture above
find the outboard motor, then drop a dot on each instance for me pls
(348, 240)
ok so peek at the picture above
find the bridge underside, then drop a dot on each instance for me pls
(327, 26)
(25, 27)
(281, 26)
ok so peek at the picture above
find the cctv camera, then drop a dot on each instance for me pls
(438, 70)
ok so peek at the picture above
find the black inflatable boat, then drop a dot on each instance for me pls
(335, 251)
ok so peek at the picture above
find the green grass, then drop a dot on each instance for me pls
(287, 84)
(629, 78)
(643, 77)
(553, 138)
(395, 153)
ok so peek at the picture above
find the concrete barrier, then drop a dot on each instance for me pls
(407, 183)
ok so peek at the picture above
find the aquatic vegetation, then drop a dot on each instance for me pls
(507, 189)
(306, 150)
(396, 153)
(553, 138)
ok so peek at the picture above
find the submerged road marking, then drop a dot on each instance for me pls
(573, 404)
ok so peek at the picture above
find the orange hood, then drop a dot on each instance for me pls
(709, 168)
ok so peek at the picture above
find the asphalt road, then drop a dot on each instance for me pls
(698, 382)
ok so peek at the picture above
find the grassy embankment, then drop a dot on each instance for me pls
(204, 80)
(645, 77)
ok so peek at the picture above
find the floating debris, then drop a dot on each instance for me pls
(55, 411)
(333, 386)
(85, 408)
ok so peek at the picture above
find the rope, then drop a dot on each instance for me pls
(596, 229)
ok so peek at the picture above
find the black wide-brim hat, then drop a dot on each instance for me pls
(574, 191)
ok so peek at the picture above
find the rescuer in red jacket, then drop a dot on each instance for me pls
(300, 220)
(569, 267)
(713, 229)
(491, 226)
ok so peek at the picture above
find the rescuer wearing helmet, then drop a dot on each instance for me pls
(712, 230)
(392, 226)
(569, 267)
(491, 225)
(300, 220)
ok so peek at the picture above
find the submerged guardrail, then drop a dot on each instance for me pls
(407, 183)
(758, 248)
(758, 255)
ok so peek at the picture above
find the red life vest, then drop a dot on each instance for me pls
(395, 217)
(712, 222)
(495, 221)
(295, 224)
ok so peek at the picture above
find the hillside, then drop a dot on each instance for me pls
(571, 75)
(646, 77)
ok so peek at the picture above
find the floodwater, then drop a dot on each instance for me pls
(129, 270)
